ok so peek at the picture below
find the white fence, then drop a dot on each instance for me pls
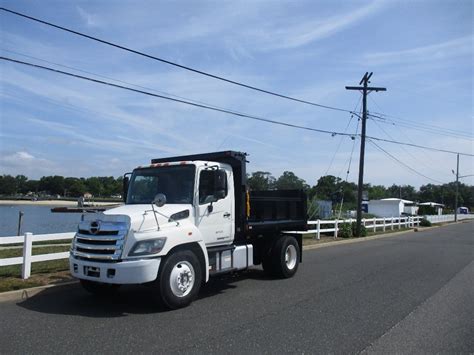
(374, 224)
(27, 258)
(371, 224)
(321, 226)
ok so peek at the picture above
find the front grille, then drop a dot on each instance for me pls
(99, 240)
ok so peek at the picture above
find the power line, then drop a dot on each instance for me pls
(347, 172)
(340, 140)
(116, 80)
(333, 133)
(405, 150)
(349, 160)
(404, 164)
(247, 86)
(425, 127)
(442, 129)
(223, 110)
(419, 146)
(385, 116)
(422, 128)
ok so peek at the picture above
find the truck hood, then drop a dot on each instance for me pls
(142, 219)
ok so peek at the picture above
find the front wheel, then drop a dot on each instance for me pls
(179, 279)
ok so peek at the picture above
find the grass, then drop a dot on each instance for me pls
(42, 273)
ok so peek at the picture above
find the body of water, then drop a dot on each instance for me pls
(36, 219)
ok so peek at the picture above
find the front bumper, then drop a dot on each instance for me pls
(123, 272)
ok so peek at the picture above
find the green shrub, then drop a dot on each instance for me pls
(425, 223)
(345, 230)
(363, 230)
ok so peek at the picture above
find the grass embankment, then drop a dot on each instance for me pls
(42, 273)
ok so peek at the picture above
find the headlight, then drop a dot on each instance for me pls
(148, 247)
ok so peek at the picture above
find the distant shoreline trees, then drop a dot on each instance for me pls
(104, 186)
(326, 187)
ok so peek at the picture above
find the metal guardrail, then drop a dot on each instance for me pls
(322, 226)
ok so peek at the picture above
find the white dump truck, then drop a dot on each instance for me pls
(184, 220)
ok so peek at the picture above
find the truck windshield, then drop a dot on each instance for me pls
(175, 182)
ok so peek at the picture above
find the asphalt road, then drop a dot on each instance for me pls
(411, 293)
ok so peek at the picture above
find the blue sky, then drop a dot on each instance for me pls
(422, 51)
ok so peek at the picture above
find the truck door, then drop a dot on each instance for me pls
(215, 217)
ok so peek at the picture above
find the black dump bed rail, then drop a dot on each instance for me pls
(276, 210)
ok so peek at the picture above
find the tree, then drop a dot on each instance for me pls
(261, 180)
(326, 187)
(21, 184)
(54, 185)
(74, 187)
(94, 186)
(8, 185)
(289, 181)
(377, 192)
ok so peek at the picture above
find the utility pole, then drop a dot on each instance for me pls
(365, 90)
(457, 190)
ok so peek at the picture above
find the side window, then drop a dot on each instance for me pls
(207, 185)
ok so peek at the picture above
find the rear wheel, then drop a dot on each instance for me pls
(99, 288)
(283, 258)
(179, 279)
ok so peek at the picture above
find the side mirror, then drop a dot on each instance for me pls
(159, 200)
(125, 183)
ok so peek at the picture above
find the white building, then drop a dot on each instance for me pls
(392, 207)
(438, 207)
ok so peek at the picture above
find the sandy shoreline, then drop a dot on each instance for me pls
(58, 203)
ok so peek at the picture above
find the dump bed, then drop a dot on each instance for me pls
(276, 210)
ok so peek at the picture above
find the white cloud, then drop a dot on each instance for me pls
(18, 158)
(432, 52)
(89, 19)
(299, 34)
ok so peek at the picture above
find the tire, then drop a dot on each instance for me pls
(283, 259)
(179, 280)
(99, 289)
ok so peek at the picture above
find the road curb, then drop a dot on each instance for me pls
(25, 293)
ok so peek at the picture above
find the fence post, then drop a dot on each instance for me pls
(391, 224)
(375, 224)
(26, 266)
(318, 228)
(384, 224)
(335, 228)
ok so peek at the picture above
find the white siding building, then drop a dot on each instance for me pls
(392, 207)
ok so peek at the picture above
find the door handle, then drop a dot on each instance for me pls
(226, 215)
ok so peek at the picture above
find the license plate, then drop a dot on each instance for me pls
(92, 271)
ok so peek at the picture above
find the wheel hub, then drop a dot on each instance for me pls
(290, 256)
(182, 279)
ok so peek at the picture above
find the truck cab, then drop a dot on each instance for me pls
(185, 219)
